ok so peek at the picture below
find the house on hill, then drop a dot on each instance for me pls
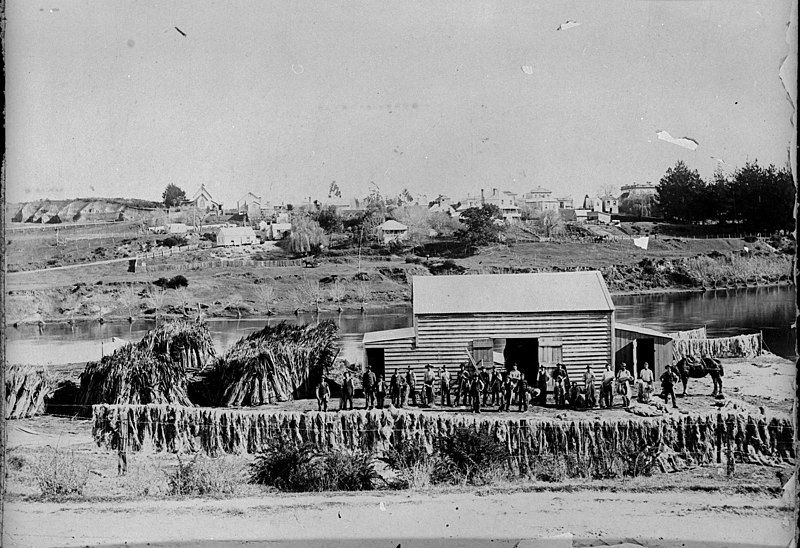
(236, 235)
(532, 321)
(392, 231)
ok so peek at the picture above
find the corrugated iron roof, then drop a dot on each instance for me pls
(388, 335)
(512, 293)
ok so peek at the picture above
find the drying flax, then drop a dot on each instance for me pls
(742, 346)
(27, 387)
(134, 375)
(216, 431)
(185, 341)
(699, 333)
(276, 364)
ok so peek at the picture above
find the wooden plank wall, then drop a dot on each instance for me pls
(442, 340)
(623, 348)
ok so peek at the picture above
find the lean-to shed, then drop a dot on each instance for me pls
(531, 320)
(634, 345)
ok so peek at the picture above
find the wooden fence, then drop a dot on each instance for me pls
(222, 263)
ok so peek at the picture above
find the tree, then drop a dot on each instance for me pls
(681, 195)
(480, 227)
(551, 223)
(306, 237)
(173, 195)
(761, 198)
(328, 219)
(333, 190)
(638, 203)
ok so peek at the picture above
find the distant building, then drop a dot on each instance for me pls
(506, 202)
(392, 231)
(203, 201)
(236, 235)
(540, 199)
(637, 189)
(254, 207)
(603, 204)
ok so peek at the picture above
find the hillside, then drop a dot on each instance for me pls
(80, 210)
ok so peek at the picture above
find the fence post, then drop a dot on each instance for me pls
(731, 464)
(122, 448)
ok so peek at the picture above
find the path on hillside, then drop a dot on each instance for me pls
(657, 519)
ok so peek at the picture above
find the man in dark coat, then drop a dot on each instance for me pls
(485, 379)
(497, 387)
(668, 379)
(368, 382)
(348, 389)
(394, 388)
(476, 390)
(459, 384)
(522, 394)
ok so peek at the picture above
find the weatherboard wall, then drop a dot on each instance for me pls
(442, 339)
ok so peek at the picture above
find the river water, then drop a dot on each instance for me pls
(724, 313)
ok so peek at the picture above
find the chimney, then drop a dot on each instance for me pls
(483, 200)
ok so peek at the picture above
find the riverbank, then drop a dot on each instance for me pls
(340, 283)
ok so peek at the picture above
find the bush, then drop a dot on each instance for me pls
(204, 476)
(172, 241)
(308, 468)
(60, 475)
(175, 282)
(415, 467)
(470, 456)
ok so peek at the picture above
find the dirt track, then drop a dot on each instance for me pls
(657, 519)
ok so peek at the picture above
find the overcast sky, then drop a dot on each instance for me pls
(107, 98)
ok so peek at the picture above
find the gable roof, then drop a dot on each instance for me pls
(641, 330)
(391, 224)
(511, 293)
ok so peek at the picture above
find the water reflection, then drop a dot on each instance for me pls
(724, 312)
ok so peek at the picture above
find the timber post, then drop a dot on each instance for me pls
(122, 447)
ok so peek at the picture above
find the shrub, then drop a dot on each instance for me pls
(470, 456)
(204, 476)
(308, 468)
(415, 467)
(177, 281)
(60, 474)
(173, 283)
(172, 241)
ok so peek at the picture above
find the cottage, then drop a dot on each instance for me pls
(236, 235)
(392, 231)
(531, 320)
(203, 201)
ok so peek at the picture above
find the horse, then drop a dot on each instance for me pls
(697, 367)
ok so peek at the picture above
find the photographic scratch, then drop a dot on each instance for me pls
(685, 142)
(179, 30)
(568, 24)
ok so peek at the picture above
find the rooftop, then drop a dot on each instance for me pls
(391, 224)
(511, 293)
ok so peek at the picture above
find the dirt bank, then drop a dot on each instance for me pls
(109, 292)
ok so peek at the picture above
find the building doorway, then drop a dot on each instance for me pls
(376, 361)
(524, 353)
(645, 352)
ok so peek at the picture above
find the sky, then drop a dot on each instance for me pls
(107, 98)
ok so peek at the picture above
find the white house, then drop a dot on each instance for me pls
(236, 235)
(392, 231)
(277, 231)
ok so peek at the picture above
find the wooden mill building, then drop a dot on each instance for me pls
(531, 320)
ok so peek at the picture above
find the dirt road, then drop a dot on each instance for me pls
(656, 519)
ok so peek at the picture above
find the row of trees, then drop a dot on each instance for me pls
(756, 198)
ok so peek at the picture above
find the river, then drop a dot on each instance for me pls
(723, 312)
